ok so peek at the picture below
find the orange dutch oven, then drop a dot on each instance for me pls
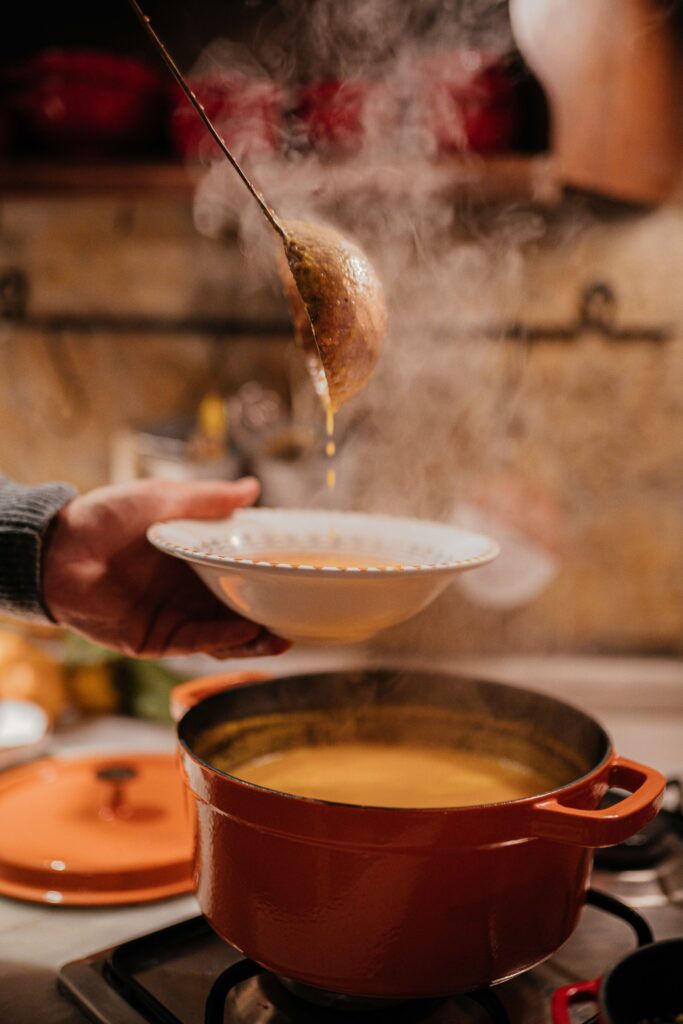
(392, 902)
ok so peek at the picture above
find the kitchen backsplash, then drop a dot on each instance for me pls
(570, 450)
(63, 393)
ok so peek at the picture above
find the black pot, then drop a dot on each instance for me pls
(645, 987)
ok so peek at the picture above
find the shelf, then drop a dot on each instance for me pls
(475, 179)
(131, 180)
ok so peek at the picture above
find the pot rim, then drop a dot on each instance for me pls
(528, 801)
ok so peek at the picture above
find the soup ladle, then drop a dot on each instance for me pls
(334, 294)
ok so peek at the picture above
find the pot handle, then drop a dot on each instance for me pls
(186, 695)
(565, 997)
(611, 825)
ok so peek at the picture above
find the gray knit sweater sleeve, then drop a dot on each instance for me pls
(25, 514)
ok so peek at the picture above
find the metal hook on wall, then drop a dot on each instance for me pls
(597, 314)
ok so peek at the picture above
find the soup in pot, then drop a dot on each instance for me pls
(391, 775)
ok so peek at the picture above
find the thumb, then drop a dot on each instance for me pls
(210, 499)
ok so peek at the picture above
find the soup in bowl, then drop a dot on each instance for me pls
(324, 577)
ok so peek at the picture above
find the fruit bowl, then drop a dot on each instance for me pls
(323, 577)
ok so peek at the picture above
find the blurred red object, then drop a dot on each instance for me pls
(341, 116)
(83, 102)
(247, 111)
(470, 103)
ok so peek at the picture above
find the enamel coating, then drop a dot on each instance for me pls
(401, 903)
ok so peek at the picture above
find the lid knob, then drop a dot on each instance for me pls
(116, 775)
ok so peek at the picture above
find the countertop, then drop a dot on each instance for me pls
(639, 700)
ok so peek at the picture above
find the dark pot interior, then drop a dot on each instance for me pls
(253, 719)
(646, 987)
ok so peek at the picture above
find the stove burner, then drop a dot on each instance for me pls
(336, 1000)
(252, 995)
(651, 845)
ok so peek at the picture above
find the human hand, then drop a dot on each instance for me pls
(102, 578)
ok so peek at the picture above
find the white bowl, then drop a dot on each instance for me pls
(242, 559)
(24, 728)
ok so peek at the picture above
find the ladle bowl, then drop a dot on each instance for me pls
(337, 304)
(335, 296)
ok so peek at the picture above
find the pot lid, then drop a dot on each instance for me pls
(95, 830)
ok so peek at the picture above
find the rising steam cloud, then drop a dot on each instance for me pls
(443, 406)
(440, 268)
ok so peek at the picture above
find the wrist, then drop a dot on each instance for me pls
(53, 540)
(26, 514)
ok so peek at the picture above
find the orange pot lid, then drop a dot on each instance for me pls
(96, 830)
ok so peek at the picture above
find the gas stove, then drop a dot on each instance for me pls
(185, 974)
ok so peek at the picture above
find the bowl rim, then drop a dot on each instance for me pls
(201, 557)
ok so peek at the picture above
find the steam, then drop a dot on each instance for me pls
(325, 39)
(442, 408)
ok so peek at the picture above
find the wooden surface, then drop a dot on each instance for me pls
(473, 178)
(37, 178)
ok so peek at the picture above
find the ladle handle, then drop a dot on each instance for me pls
(208, 123)
(186, 695)
(609, 825)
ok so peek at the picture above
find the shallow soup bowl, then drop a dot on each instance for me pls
(323, 577)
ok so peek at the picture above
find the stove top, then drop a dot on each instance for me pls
(185, 974)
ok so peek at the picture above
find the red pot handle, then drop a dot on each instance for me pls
(186, 695)
(564, 997)
(611, 825)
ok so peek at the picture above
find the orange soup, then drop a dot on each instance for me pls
(384, 775)
(319, 559)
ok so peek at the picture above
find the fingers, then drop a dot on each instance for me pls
(220, 634)
(224, 637)
(265, 645)
(210, 499)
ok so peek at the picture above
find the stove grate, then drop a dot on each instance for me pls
(180, 966)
